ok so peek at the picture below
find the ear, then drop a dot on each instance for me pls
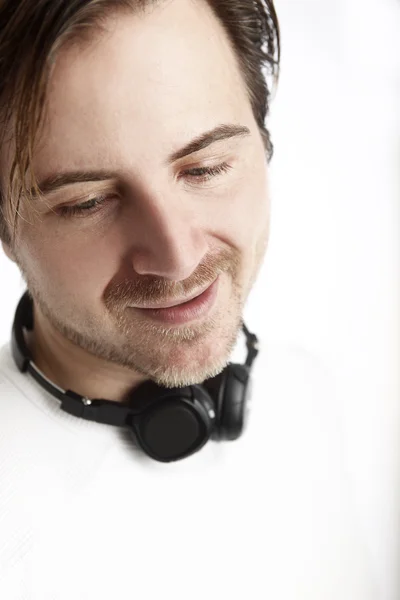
(8, 252)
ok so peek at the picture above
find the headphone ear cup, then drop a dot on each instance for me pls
(171, 424)
(231, 402)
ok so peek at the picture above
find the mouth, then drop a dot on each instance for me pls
(177, 302)
(183, 311)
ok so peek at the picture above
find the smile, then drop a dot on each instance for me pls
(189, 310)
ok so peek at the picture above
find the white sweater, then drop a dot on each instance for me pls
(85, 516)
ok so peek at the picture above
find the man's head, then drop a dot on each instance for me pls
(112, 91)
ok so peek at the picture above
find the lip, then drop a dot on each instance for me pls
(174, 302)
(187, 311)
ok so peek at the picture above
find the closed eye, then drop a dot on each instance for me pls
(93, 205)
(206, 173)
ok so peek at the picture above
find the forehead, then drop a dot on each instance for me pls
(149, 82)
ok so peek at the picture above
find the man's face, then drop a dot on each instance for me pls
(124, 104)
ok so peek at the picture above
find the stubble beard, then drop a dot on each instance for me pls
(153, 350)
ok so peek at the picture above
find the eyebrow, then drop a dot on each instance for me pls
(52, 183)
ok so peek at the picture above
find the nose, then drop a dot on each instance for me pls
(170, 241)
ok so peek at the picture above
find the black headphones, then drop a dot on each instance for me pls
(168, 424)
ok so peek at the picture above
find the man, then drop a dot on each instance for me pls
(134, 177)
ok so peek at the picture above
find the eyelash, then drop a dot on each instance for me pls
(201, 174)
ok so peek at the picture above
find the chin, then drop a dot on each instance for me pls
(171, 376)
(193, 361)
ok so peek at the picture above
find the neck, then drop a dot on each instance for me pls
(73, 368)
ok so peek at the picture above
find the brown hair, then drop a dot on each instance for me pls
(32, 31)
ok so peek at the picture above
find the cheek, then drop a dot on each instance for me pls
(63, 269)
(243, 217)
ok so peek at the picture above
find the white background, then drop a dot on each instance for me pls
(330, 283)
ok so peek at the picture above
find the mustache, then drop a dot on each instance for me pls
(158, 289)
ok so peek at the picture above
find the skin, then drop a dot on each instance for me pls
(123, 102)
